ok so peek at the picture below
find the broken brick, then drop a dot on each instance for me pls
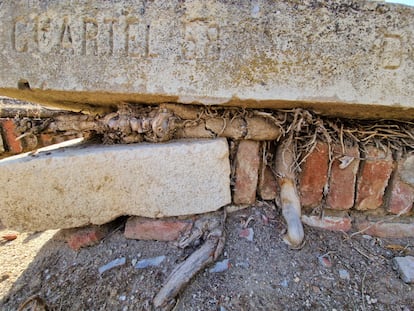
(375, 173)
(247, 168)
(401, 195)
(84, 236)
(333, 223)
(9, 132)
(343, 178)
(9, 236)
(314, 175)
(384, 229)
(267, 187)
(141, 228)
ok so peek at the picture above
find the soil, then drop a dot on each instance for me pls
(332, 271)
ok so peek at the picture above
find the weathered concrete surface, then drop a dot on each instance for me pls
(78, 186)
(258, 53)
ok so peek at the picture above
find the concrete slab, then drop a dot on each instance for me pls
(348, 58)
(77, 186)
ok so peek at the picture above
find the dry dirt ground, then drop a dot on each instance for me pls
(333, 271)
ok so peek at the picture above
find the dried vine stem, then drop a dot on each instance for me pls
(289, 199)
(212, 228)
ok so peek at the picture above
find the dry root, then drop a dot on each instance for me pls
(136, 123)
(289, 199)
(131, 124)
(211, 227)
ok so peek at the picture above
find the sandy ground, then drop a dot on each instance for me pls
(333, 271)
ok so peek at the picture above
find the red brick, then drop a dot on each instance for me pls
(267, 187)
(314, 176)
(141, 228)
(9, 236)
(9, 132)
(373, 180)
(247, 169)
(85, 236)
(46, 140)
(387, 229)
(342, 180)
(59, 139)
(401, 196)
(332, 223)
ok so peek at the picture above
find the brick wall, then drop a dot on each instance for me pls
(357, 190)
(341, 188)
(12, 142)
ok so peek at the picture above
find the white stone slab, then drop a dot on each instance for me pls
(354, 58)
(79, 185)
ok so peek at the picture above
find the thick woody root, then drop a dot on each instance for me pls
(213, 231)
(156, 124)
(289, 199)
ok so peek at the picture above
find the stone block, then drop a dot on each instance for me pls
(343, 178)
(314, 176)
(373, 180)
(9, 132)
(247, 170)
(333, 223)
(141, 228)
(77, 186)
(254, 53)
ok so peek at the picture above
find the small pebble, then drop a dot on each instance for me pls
(370, 300)
(405, 266)
(242, 264)
(284, 283)
(220, 266)
(114, 263)
(150, 262)
(247, 233)
(325, 261)
(344, 274)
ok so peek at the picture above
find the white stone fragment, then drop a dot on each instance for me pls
(114, 263)
(407, 171)
(81, 185)
(405, 266)
(1, 144)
